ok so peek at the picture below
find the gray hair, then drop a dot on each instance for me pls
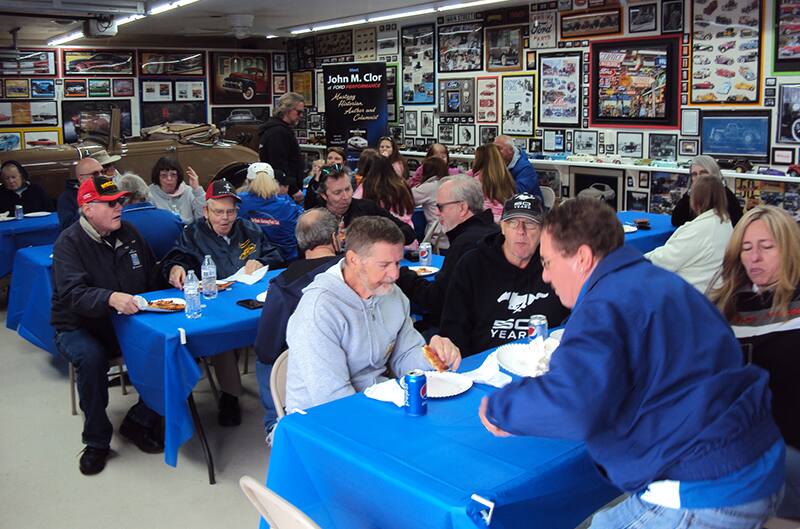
(364, 232)
(315, 227)
(287, 102)
(133, 183)
(465, 188)
(709, 164)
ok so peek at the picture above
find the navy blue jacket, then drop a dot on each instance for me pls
(33, 199)
(277, 218)
(160, 228)
(650, 376)
(197, 240)
(67, 206)
(525, 175)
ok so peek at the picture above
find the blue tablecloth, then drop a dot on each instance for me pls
(358, 463)
(29, 297)
(30, 231)
(646, 240)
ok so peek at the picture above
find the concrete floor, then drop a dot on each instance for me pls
(40, 441)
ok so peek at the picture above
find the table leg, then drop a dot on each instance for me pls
(198, 427)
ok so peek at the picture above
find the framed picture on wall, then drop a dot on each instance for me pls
(518, 107)
(688, 147)
(782, 156)
(303, 84)
(239, 77)
(180, 112)
(447, 135)
(391, 92)
(553, 141)
(786, 36)
(788, 117)
(542, 30)
(99, 87)
(122, 87)
(44, 88)
(85, 62)
(18, 89)
(418, 64)
(504, 49)
(29, 63)
(171, 62)
(584, 24)
(28, 113)
(426, 126)
(630, 144)
(72, 87)
(460, 47)
(585, 142)
(156, 91)
(280, 84)
(487, 88)
(663, 147)
(190, 91)
(456, 100)
(487, 134)
(278, 62)
(560, 89)
(644, 179)
(672, 16)
(642, 17)
(411, 122)
(90, 113)
(466, 135)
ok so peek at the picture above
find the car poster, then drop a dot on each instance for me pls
(182, 112)
(726, 49)
(34, 139)
(418, 65)
(487, 99)
(240, 78)
(543, 30)
(95, 114)
(98, 62)
(456, 100)
(29, 63)
(560, 89)
(518, 104)
(190, 91)
(170, 63)
(787, 36)
(226, 116)
(10, 140)
(44, 88)
(28, 113)
(460, 47)
(504, 49)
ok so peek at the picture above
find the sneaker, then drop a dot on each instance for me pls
(230, 414)
(93, 460)
(146, 439)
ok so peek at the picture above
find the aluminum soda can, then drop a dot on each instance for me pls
(416, 389)
(19, 214)
(537, 327)
(425, 254)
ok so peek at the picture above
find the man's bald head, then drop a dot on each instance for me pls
(86, 168)
(506, 146)
(316, 227)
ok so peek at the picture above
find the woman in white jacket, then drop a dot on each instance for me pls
(168, 190)
(696, 249)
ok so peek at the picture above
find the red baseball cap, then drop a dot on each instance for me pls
(99, 189)
(221, 189)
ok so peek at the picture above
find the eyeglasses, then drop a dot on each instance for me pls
(333, 168)
(112, 203)
(222, 212)
(94, 174)
(441, 206)
(517, 223)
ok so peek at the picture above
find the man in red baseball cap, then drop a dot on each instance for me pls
(99, 263)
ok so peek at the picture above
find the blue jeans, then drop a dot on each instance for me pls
(90, 357)
(263, 372)
(634, 513)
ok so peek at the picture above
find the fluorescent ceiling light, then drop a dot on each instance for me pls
(168, 6)
(469, 4)
(403, 14)
(299, 31)
(339, 25)
(130, 18)
(272, 36)
(65, 38)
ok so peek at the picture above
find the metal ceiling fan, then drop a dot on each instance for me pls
(238, 26)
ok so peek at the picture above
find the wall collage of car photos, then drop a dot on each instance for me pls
(650, 83)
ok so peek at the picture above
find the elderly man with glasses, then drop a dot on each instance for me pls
(232, 243)
(99, 264)
(497, 287)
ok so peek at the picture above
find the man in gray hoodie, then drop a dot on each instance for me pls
(352, 327)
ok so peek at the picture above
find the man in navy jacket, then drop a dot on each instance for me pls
(649, 375)
(519, 166)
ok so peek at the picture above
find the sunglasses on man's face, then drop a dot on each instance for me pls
(113, 203)
(93, 174)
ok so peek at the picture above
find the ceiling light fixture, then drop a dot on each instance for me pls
(301, 31)
(402, 14)
(168, 6)
(65, 38)
(469, 4)
(129, 18)
(339, 25)
(272, 36)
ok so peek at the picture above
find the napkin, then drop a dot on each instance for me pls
(387, 391)
(248, 279)
(489, 373)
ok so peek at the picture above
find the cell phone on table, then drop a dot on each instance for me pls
(250, 303)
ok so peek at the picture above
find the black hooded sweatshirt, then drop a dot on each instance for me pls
(279, 148)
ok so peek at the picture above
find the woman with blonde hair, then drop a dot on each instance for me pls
(276, 214)
(497, 183)
(695, 250)
(760, 297)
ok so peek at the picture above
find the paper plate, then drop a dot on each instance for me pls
(446, 384)
(262, 297)
(629, 229)
(519, 359)
(37, 214)
(3, 219)
(149, 308)
(424, 270)
(556, 335)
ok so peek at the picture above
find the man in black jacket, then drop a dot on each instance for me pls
(498, 286)
(67, 206)
(278, 146)
(459, 200)
(336, 191)
(99, 263)
(232, 243)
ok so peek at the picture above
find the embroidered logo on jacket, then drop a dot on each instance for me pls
(248, 248)
(518, 302)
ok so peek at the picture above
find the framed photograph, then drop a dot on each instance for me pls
(553, 141)
(240, 78)
(334, 43)
(28, 113)
(770, 81)
(487, 134)
(122, 87)
(460, 47)
(636, 201)
(391, 92)
(688, 147)
(224, 116)
(782, 156)
(190, 91)
(411, 122)
(769, 101)
(635, 82)
(584, 24)
(18, 89)
(278, 62)
(530, 60)
(690, 122)
(519, 107)
(487, 99)
(42, 88)
(663, 147)
(2, 90)
(447, 134)
(542, 30)
(280, 84)
(786, 36)
(559, 89)
(41, 138)
(586, 142)
(10, 140)
(630, 144)
(629, 182)
(167, 63)
(29, 63)
(388, 39)
(504, 49)
(418, 65)
(789, 114)
(72, 87)
(642, 17)
(672, 16)
(365, 42)
(644, 179)
(426, 127)
(181, 112)
(457, 100)
(156, 91)
(303, 84)
(92, 114)
(86, 62)
(99, 87)
(466, 135)
(736, 134)
(769, 92)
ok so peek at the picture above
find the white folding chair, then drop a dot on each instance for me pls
(277, 383)
(549, 196)
(279, 513)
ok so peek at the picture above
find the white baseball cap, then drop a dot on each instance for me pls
(259, 167)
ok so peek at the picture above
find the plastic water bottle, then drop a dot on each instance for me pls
(191, 292)
(208, 272)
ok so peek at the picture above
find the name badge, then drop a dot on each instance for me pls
(135, 260)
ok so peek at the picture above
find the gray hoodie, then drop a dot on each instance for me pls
(340, 343)
(185, 201)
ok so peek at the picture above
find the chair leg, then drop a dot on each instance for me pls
(246, 352)
(123, 386)
(72, 388)
(210, 378)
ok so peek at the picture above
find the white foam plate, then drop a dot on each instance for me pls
(262, 297)
(556, 335)
(519, 358)
(629, 229)
(148, 308)
(424, 270)
(446, 384)
(3, 219)
(37, 214)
